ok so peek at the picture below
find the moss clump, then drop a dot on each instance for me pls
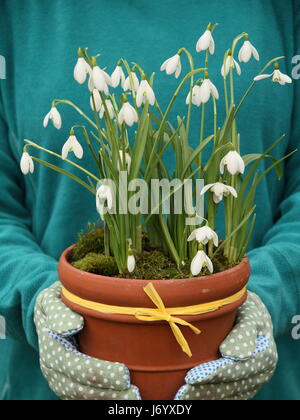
(89, 242)
(97, 264)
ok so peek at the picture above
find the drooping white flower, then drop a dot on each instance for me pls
(206, 42)
(101, 80)
(196, 96)
(104, 199)
(247, 51)
(131, 263)
(277, 77)
(27, 164)
(201, 261)
(172, 65)
(128, 115)
(219, 191)
(234, 162)
(135, 81)
(109, 107)
(55, 117)
(96, 98)
(145, 93)
(127, 160)
(206, 90)
(118, 77)
(81, 70)
(72, 145)
(204, 235)
(230, 62)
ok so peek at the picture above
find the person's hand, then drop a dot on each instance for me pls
(249, 359)
(70, 374)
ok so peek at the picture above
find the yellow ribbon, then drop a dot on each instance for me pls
(161, 313)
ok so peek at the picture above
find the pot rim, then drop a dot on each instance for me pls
(130, 292)
(65, 260)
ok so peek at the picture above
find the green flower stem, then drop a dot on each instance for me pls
(36, 146)
(192, 67)
(58, 101)
(254, 83)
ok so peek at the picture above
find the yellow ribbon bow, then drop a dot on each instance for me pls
(161, 314)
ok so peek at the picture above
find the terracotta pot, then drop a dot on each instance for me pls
(157, 364)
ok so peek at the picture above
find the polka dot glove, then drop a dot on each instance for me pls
(70, 374)
(249, 359)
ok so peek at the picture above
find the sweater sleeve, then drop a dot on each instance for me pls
(276, 265)
(24, 268)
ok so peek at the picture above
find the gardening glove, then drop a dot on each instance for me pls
(70, 374)
(249, 359)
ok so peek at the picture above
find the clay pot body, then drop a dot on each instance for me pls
(157, 363)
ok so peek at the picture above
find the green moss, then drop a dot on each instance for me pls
(97, 264)
(89, 242)
(155, 265)
(152, 264)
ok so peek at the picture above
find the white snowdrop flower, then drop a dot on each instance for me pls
(277, 77)
(206, 42)
(201, 261)
(135, 81)
(207, 89)
(219, 191)
(118, 77)
(128, 115)
(131, 263)
(104, 197)
(72, 145)
(27, 164)
(196, 96)
(145, 93)
(109, 107)
(101, 80)
(204, 235)
(81, 70)
(247, 51)
(172, 65)
(55, 117)
(96, 98)
(234, 162)
(230, 62)
(127, 160)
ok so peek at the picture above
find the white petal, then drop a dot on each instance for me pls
(25, 163)
(212, 46)
(204, 42)
(255, 53)
(56, 118)
(262, 77)
(285, 78)
(77, 148)
(65, 150)
(197, 264)
(232, 191)
(205, 91)
(173, 64)
(206, 188)
(164, 65)
(238, 68)
(218, 198)
(131, 263)
(99, 79)
(214, 91)
(192, 236)
(179, 69)
(80, 71)
(46, 120)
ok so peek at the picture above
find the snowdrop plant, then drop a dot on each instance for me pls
(128, 135)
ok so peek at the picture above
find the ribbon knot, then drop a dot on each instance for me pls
(162, 314)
